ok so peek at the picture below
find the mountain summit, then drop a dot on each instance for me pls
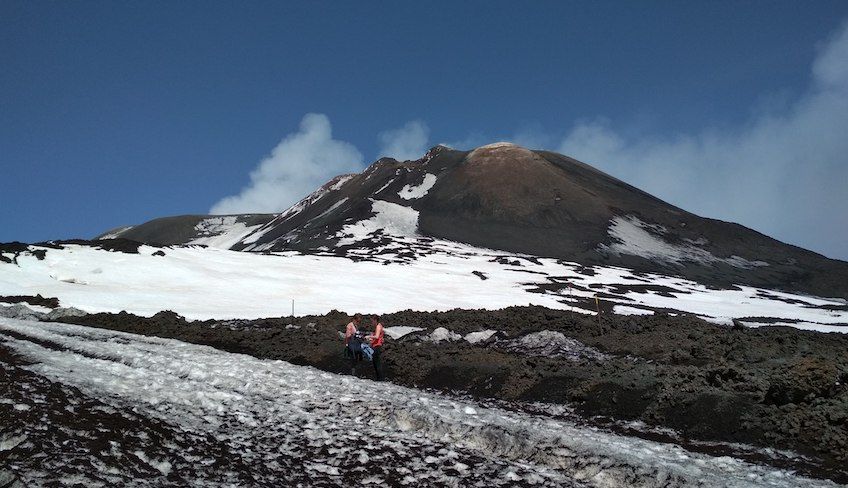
(506, 197)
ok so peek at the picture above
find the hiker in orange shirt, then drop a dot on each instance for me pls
(376, 339)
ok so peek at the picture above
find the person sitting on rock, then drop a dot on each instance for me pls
(376, 339)
(353, 342)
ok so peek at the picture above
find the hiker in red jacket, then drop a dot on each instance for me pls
(376, 339)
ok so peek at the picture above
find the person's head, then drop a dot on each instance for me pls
(375, 319)
(357, 318)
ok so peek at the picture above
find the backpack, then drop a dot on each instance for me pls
(367, 351)
(355, 343)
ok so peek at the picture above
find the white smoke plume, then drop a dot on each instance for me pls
(300, 163)
(405, 143)
(784, 173)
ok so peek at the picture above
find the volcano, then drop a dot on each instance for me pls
(505, 197)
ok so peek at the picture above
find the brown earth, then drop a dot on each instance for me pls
(773, 387)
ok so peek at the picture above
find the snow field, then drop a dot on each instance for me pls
(272, 411)
(214, 283)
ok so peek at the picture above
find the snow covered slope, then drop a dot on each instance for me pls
(224, 419)
(380, 274)
(503, 196)
(222, 231)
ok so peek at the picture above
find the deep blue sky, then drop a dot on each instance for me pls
(113, 113)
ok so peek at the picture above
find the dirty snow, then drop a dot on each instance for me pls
(480, 336)
(440, 334)
(29, 306)
(271, 412)
(222, 232)
(549, 343)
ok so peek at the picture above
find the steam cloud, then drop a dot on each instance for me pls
(405, 143)
(308, 158)
(784, 173)
(301, 162)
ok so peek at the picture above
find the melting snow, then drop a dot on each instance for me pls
(398, 331)
(9, 443)
(441, 334)
(330, 210)
(390, 218)
(271, 411)
(638, 238)
(117, 232)
(410, 192)
(625, 310)
(214, 283)
(483, 335)
(496, 145)
(551, 344)
(222, 232)
(341, 181)
(391, 180)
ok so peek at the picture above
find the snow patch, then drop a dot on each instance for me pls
(222, 232)
(410, 192)
(625, 310)
(117, 232)
(637, 238)
(441, 335)
(329, 210)
(800, 325)
(496, 145)
(390, 219)
(392, 180)
(341, 181)
(398, 331)
(163, 467)
(11, 442)
(549, 343)
(302, 204)
(480, 336)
